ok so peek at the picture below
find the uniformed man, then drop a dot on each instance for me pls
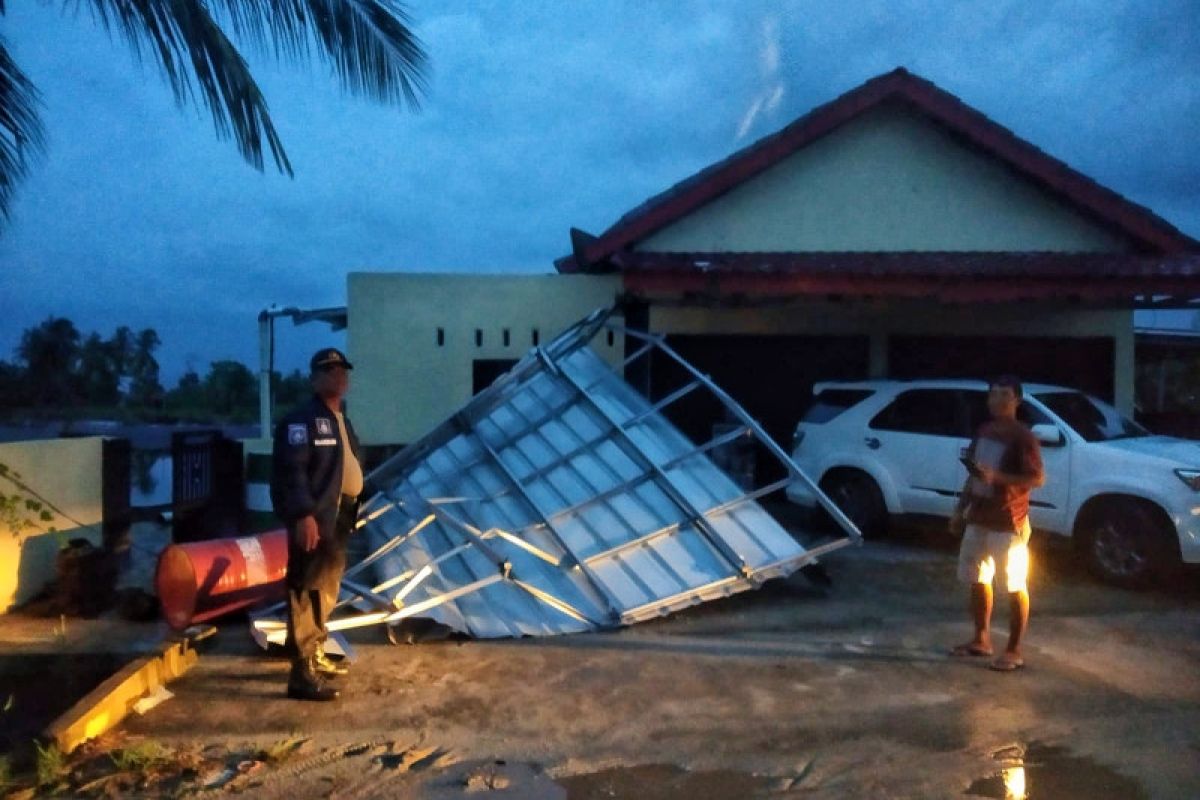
(315, 484)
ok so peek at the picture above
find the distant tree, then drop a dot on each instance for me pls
(99, 372)
(290, 390)
(144, 391)
(188, 394)
(50, 353)
(367, 42)
(121, 345)
(14, 389)
(230, 388)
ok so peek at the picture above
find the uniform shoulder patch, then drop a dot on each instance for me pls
(297, 434)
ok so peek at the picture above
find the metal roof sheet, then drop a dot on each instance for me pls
(561, 500)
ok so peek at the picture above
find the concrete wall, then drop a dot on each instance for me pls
(405, 383)
(68, 473)
(891, 180)
(907, 318)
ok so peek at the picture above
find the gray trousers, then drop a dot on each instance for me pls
(314, 580)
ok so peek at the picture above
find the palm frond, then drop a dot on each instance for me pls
(369, 43)
(22, 136)
(372, 48)
(192, 50)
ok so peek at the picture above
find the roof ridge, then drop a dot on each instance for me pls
(942, 108)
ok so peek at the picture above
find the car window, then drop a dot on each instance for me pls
(1092, 419)
(936, 412)
(1032, 415)
(829, 403)
(977, 411)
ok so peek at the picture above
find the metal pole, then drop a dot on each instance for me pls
(266, 333)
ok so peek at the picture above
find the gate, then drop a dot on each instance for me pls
(207, 486)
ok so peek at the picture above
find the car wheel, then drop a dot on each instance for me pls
(859, 498)
(1124, 544)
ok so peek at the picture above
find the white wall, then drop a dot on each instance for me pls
(405, 383)
(890, 180)
(68, 473)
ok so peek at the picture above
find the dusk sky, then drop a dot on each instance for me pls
(540, 116)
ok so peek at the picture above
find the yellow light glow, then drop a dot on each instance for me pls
(1014, 783)
(96, 725)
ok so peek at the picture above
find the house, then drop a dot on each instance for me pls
(894, 231)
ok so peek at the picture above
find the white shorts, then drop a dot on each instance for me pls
(984, 551)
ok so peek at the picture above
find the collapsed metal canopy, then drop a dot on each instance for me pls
(559, 500)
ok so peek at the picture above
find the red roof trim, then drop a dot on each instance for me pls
(1153, 232)
(956, 265)
(948, 277)
(989, 290)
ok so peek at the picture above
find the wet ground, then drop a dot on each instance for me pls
(799, 689)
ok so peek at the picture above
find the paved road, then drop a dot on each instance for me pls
(797, 689)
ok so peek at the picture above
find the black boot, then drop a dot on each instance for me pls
(306, 684)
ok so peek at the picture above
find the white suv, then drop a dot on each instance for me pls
(1129, 499)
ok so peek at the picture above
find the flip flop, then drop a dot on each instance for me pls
(969, 650)
(1006, 664)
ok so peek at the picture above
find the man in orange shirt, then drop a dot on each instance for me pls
(1004, 463)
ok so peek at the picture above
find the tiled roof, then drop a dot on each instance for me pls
(1151, 232)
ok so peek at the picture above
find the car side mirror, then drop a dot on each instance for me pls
(1049, 435)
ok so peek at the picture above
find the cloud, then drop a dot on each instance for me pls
(541, 116)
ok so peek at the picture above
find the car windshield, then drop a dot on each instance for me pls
(1094, 420)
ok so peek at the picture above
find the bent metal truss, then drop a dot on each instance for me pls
(560, 500)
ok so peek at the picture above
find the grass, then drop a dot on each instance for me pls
(140, 757)
(282, 750)
(51, 764)
(6, 773)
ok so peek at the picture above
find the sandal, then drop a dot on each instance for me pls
(1007, 663)
(970, 649)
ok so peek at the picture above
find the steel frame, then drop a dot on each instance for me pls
(587, 541)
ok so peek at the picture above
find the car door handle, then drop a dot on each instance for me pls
(872, 442)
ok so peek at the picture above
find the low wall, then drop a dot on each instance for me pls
(68, 473)
(259, 513)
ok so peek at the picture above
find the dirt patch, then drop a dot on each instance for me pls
(666, 782)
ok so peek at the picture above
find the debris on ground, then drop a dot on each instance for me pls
(562, 499)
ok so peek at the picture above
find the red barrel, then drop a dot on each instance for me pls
(200, 581)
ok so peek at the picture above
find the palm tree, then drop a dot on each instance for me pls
(368, 42)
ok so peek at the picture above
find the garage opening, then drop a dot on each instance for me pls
(1167, 383)
(770, 376)
(1082, 363)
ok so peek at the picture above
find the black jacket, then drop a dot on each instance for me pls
(307, 464)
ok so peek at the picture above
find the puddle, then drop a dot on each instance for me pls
(36, 689)
(1052, 772)
(664, 782)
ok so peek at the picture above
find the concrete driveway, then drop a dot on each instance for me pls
(797, 689)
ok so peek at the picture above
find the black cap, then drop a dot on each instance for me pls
(329, 357)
